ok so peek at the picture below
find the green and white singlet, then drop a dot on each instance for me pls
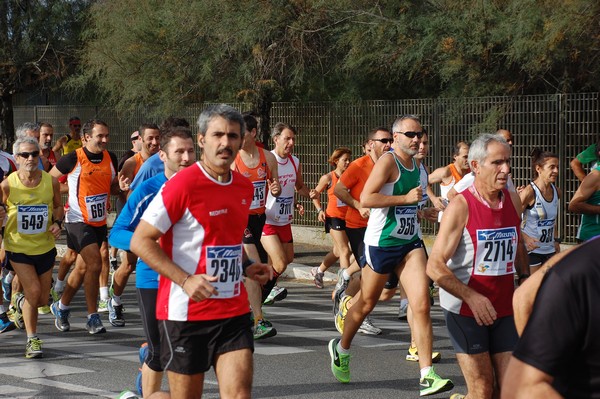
(397, 225)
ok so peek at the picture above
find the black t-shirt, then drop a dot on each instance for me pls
(124, 158)
(67, 162)
(562, 337)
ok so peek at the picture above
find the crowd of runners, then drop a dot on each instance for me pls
(209, 236)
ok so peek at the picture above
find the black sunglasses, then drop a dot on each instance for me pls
(384, 141)
(26, 155)
(412, 135)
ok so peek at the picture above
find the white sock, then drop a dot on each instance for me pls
(59, 285)
(104, 293)
(346, 275)
(425, 371)
(403, 302)
(9, 277)
(62, 306)
(2, 309)
(116, 300)
(342, 350)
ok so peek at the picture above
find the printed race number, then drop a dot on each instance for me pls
(496, 251)
(225, 262)
(32, 219)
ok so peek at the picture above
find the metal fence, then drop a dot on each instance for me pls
(562, 123)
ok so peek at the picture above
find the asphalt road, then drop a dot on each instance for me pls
(293, 364)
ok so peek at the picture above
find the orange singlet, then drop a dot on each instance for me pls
(258, 176)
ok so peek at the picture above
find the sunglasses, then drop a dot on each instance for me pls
(26, 155)
(384, 141)
(412, 135)
(75, 125)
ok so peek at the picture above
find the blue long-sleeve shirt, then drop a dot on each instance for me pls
(129, 218)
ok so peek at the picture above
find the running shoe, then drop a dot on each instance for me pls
(340, 316)
(276, 294)
(33, 349)
(143, 352)
(44, 309)
(403, 311)
(433, 383)
(62, 317)
(262, 330)
(339, 290)
(128, 395)
(368, 328)
(115, 314)
(17, 300)
(5, 324)
(340, 363)
(55, 294)
(103, 305)
(94, 324)
(457, 396)
(318, 276)
(413, 355)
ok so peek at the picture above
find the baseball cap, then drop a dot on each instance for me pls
(135, 135)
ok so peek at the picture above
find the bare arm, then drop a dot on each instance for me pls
(523, 381)
(58, 146)
(577, 168)
(589, 185)
(385, 171)
(341, 191)
(439, 175)
(315, 194)
(273, 182)
(58, 211)
(452, 226)
(144, 244)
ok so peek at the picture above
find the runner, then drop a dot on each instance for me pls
(586, 201)
(334, 216)
(260, 167)
(474, 265)
(540, 201)
(348, 189)
(91, 179)
(71, 141)
(277, 233)
(177, 152)
(35, 216)
(448, 176)
(392, 244)
(203, 311)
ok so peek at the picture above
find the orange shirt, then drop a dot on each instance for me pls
(354, 178)
(335, 207)
(138, 163)
(258, 176)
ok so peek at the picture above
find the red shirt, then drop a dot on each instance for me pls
(203, 222)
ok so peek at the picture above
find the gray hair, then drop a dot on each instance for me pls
(279, 128)
(224, 111)
(22, 130)
(400, 119)
(25, 140)
(479, 147)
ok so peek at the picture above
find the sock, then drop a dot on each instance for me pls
(31, 336)
(9, 277)
(403, 302)
(425, 371)
(62, 306)
(59, 286)
(345, 275)
(116, 300)
(103, 293)
(2, 309)
(320, 271)
(342, 350)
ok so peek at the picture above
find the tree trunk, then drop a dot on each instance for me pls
(7, 124)
(265, 103)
